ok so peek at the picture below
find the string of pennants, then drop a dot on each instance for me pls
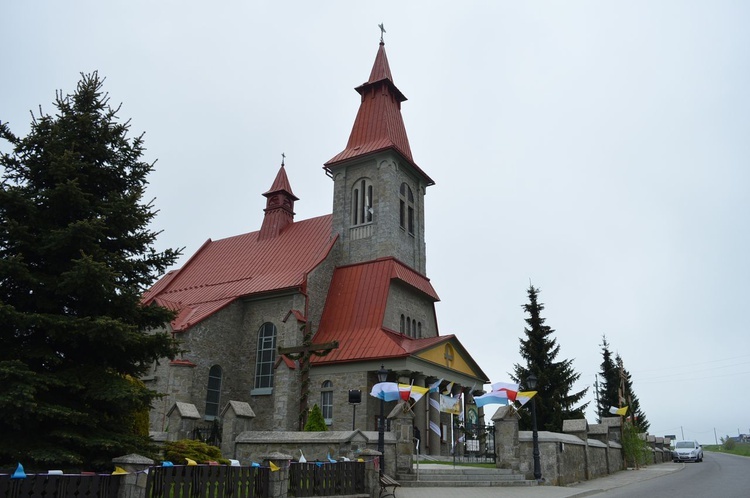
(502, 393)
(20, 473)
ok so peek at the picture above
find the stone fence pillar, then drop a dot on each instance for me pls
(278, 481)
(133, 484)
(580, 429)
(236, 417)
(507, 448)
(403, 427)
(372, 472)
(181, 421)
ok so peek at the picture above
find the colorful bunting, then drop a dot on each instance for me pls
(417, 392)
(387, 391)
(523, 397)
(274, 467)
(507, 387)
(404, 391)
(19, 473)
(618, 411)
(119, 471)
(493, 397)
(435, 386)
(449, 404)
(191, 462)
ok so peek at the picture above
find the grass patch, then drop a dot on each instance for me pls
(741, 449)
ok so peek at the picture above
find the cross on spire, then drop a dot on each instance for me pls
(382, 31)
(283, 156)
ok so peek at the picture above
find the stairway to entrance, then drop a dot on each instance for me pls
(440, 475)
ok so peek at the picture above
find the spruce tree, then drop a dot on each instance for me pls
(635, 414)
(555, 379)
(315, 422)
(76, 254)
(610, 376)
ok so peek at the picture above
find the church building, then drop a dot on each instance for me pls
(304, 312)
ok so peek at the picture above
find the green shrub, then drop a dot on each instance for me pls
(635, 450)
(177, 451)
(728, 443)
(315, 422)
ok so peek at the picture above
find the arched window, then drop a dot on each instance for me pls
(419, 330)
(402, 324)
(406, 208)
(408, 326)
(326, 401)
(213, 392)
(362, 202)
(265, 359)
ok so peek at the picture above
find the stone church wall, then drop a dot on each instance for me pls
(275, 411)
(404, 300)
(342, 410)
(318, 283)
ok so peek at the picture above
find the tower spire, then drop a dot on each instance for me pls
(379, 125)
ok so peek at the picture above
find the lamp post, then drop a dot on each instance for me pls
(382, 377)
(531, 381)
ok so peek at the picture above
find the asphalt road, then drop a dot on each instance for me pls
(718, 476)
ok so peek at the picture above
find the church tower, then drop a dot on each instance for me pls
(378, 193)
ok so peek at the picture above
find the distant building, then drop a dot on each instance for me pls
(356, 277)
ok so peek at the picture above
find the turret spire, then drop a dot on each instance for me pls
(279, 205)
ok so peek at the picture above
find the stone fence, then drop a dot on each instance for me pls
(581, 452)
(240, 442)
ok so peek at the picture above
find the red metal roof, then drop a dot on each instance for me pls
(225, 270)
(379, 124)
(355, 307)
(281, 184)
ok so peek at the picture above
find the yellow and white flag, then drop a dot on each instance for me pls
(618, 411)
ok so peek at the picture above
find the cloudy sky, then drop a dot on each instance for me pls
(598, 150)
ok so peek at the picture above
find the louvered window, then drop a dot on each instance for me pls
(362, 202)
(406, 208)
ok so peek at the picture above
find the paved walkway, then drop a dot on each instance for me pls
(587, 488)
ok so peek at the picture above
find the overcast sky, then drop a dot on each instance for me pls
(598, 150)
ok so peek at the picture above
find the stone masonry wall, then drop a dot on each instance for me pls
(404, 301)
(386, 171)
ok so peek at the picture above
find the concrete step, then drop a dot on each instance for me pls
(447, 476)
(466, 484)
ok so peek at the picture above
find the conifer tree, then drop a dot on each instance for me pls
(555, 379)
(607, 394)
(315, 422)
(635, 414)
(76, 254)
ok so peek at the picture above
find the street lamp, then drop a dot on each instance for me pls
(382, 377)
(531, 381)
